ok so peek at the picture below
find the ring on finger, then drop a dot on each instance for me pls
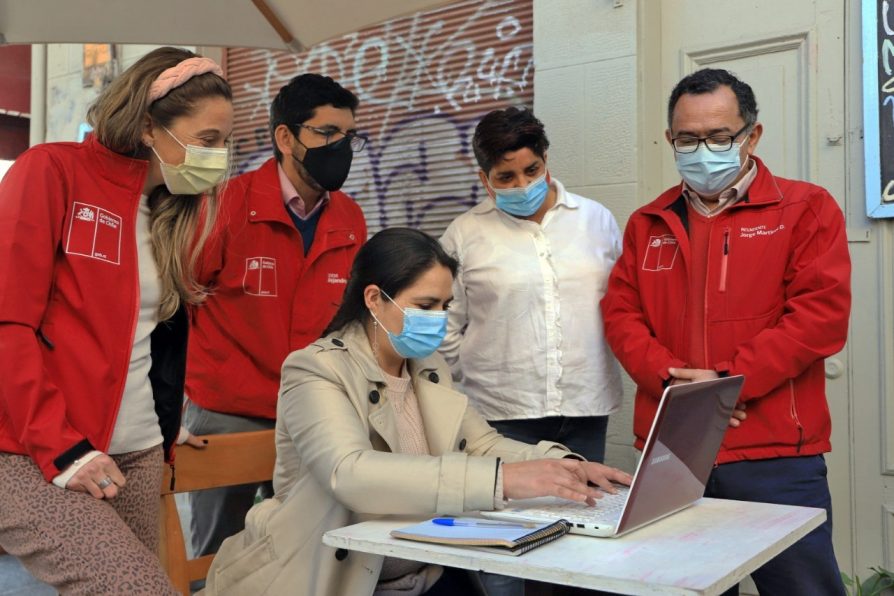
(107, 481)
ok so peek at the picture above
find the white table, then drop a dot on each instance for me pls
(704, 549)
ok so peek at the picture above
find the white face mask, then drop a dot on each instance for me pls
(203, 168)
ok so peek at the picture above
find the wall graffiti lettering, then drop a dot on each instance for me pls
(423, 82)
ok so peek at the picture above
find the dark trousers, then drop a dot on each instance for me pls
(455, 582)
(584, 435)
(219, 513)
(807, 567)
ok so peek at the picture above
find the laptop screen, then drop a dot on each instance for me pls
(681, 449)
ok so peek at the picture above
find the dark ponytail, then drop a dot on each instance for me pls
(393, 260)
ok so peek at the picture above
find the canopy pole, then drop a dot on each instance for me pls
(284, 34)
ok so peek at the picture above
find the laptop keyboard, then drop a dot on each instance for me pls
(608, 509)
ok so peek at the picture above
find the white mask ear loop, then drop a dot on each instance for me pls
(376, 319)
(152, 146)
(376, 325)
(173, 137)
(157, 155)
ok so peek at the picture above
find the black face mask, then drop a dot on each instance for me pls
(330, 164)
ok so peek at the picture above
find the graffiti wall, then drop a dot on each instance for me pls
(423, 82)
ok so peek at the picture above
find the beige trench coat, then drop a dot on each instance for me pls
(337, 464)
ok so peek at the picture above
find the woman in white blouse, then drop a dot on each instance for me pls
(525, 334)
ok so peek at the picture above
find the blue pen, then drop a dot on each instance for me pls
(474, 523)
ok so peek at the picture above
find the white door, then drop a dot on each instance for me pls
(792, 54)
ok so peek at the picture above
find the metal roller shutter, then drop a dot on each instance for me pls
(424, 82)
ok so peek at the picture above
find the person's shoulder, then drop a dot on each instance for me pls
(337, 351)
(345, 204)
(592, 207)
(266, 172)
(58, 152)
(770, 188)
(468, 226)
(58, 161)
(800, 189)
(647, 211)
(803, 197)
(321, 348)
(478, 214)
(326, 358)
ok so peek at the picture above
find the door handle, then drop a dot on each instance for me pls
(834, 368)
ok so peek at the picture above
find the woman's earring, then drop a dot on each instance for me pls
(376, 339)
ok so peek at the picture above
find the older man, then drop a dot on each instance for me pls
(737, 271)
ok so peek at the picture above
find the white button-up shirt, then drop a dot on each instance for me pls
(525, 335)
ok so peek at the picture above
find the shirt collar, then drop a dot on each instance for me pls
(293, 200)
(727, 198)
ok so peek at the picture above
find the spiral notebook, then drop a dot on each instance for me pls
(507, 539)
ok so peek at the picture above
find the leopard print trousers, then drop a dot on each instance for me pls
(79, 544)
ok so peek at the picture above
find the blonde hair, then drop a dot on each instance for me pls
(179, 225)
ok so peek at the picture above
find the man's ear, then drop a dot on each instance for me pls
(484, 182)
(754, 137)
(283, 137)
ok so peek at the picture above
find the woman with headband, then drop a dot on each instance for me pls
(97, 243)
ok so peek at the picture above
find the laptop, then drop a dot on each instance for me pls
(672, 472)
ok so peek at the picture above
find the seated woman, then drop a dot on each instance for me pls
(367, 425)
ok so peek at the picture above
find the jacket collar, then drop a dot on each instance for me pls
(264, 188)
(125, 171)
(265, 205)
(441, 407)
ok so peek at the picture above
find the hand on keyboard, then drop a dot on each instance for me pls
(565, 478)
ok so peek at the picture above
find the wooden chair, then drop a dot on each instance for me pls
(227, 460)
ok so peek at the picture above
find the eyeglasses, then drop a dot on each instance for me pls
(357, 141)
(714, 143)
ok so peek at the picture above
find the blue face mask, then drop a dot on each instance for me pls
(708, 172)
(423, 331)
(522, 202)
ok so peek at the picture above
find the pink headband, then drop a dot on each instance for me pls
(179, 74)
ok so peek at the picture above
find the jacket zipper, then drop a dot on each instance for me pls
(705, 304)
(724, 260)
(794, 414)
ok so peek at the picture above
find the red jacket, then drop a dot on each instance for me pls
(269, 299)
(69, 297)
(777, 301)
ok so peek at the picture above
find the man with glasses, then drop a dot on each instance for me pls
(737, 271)
(276, 265)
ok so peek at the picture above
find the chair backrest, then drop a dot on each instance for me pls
(227, 460)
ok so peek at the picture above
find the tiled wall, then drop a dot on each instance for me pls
(585, 92)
